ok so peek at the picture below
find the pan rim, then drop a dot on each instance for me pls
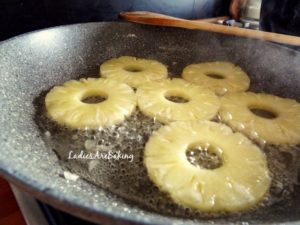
(65, 26)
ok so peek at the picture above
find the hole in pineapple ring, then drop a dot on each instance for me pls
(215, 76)
(205, 156)
(263, 112)
(133, 69)
(177, 97)
(94, 97)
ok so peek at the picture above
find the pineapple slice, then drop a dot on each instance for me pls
(133, 71)
(171, 100)
(273, 119)
(66, 104)
(221, 77)
(238, 184)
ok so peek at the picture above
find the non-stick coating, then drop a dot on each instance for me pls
(35, 62)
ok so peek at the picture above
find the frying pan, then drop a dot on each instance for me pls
(34, 62)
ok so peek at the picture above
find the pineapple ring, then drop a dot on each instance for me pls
(133, 71)
(221, 77)
(281, 126)
(65, 103)
(196, 103)
(238, 184)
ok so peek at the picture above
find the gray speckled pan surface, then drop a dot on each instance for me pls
(34, 62)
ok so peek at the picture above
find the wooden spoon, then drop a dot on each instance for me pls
(150, 18)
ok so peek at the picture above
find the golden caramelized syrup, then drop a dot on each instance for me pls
(112, 158)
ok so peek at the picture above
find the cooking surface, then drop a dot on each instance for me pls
(33, 63)
(10, 213)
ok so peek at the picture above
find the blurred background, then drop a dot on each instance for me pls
(20, 16)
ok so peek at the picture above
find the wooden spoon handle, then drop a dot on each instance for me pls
(150, 18)
(213, 19)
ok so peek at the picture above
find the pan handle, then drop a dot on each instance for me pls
(157, 19)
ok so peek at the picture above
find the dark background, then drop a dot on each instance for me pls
(20, 16)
